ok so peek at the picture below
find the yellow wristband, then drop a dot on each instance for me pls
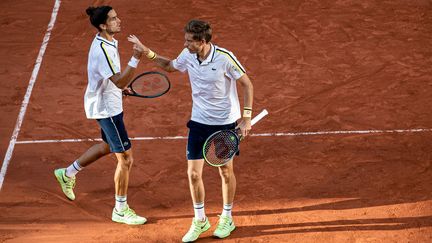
(247, 112)
(151, 55)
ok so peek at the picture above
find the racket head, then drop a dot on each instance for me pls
(150, 85)
(220, 147)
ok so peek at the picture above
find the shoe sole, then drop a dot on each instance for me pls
(204, 230)
(224, 236)
(123, 222)
(60, 181)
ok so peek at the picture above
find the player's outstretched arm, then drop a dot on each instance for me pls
(161, 61)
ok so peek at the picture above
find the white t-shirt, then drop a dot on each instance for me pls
(102, 98)
(214, 91)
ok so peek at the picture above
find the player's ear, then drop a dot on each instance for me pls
(103, 26)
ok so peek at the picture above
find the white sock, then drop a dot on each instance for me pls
(227, 210)
(73, 169)
(199, 211)
(120, 203)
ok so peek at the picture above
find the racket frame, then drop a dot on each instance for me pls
(238, 138)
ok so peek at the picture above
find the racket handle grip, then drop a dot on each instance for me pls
(259, 117)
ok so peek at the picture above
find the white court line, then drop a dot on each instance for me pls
(27, 95)
(343, 132)
(279, 134)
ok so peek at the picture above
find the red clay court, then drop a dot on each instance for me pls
(344, 155)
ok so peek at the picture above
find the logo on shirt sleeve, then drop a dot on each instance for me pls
(235, 68)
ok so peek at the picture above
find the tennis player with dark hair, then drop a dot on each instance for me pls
(103, 102)
(213, 73)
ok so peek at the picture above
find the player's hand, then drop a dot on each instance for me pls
(245, 126)
(127, 91)
(138, 47)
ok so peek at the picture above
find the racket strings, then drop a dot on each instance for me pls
(151, 85)
(220, 148)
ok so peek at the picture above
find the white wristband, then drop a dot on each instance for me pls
(133, 62)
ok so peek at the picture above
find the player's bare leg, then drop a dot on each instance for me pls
(66, 176)
(226, 223)
(200, 222)
(121, 212)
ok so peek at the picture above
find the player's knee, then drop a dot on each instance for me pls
(225, 173)
(103, 148)
(126, 162)
(194, 176)
(129, 162)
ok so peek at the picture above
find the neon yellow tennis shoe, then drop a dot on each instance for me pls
(127, 216)
(198, 227)
(67, 184)
(225, 227)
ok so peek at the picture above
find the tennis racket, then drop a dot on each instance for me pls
(149, 85)
(221, 146)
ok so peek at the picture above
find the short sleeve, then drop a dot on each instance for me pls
(106, 65)
(233, 67)
(180, 63)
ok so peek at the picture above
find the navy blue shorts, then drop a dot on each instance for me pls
(198, 133)
(114, 133)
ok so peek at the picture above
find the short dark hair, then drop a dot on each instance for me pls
(200, 30)
(98, 15)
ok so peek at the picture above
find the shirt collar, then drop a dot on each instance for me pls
(210, 57)
(112, 43)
